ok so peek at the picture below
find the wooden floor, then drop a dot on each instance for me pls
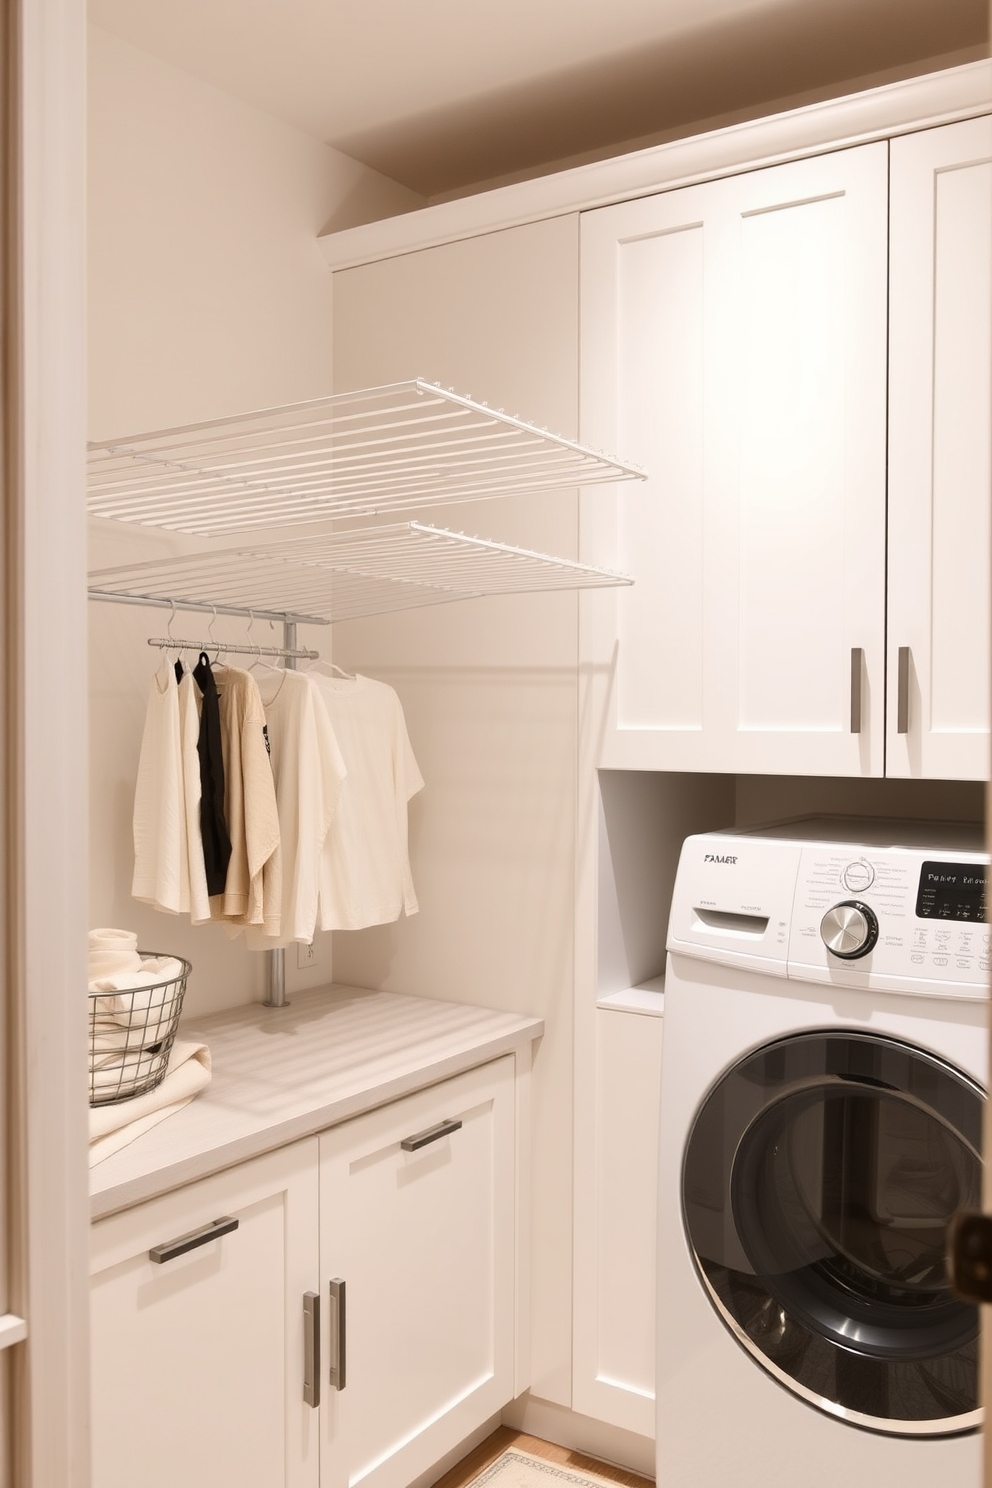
(504, 1437)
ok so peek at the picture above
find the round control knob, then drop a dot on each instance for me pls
(849, 930)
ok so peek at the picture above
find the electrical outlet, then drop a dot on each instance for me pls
(306, 955)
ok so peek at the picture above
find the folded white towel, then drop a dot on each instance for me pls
(153, 970)
(110, 1037)
(112, 952)
(111, 1071)
(113, 1127)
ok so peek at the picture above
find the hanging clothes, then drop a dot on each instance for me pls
(309, 772)
(213, 827)
(161, 862)
(250, 807)
(189, 734)
(365, 876)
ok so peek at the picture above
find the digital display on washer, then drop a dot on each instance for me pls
(951, 891)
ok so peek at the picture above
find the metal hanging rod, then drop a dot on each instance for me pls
(287, 653)
(407, 445)
(242, 612)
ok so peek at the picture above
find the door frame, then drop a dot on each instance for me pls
(44, 686)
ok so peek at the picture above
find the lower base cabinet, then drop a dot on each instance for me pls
(201, 1352)
(417, 1218)
(197, 1358)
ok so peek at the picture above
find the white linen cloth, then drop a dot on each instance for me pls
(161, 851)
(365, 876)
(308, 772)
(113, 1127)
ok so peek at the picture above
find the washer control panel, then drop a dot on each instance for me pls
(896, 918)
(890, 913)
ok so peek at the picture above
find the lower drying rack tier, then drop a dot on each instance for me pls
(348, 575)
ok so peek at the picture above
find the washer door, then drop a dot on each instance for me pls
(818, 1181)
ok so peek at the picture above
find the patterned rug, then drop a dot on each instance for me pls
(516, 1469)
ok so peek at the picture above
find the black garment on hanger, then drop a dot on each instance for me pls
(213, 824)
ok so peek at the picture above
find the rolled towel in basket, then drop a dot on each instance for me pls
(112, 953)
(151, 971)
(112, 1071)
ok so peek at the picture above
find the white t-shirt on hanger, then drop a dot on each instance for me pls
(308, 771)
(365, 876)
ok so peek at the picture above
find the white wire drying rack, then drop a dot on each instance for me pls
(382, 450)
(352, 574)
(411, 445)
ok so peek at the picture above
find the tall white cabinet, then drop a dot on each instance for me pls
(734, 343)
(940, 420)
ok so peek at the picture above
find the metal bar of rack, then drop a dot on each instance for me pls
(177, 643)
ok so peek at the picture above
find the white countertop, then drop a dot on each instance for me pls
(280, 1074)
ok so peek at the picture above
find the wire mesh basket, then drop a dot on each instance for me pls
(131, 1033)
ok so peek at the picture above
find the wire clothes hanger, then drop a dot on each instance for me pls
(169, 642)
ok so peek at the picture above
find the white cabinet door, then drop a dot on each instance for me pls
(615, 1258)
(734, 343)
(198, 1359)
(940, 434)
(422, 1237)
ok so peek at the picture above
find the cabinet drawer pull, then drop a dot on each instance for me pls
(902, 697)
(857, 686)
(172, 1248)
(311, 1348)
(337, 1374)
(432, 1134)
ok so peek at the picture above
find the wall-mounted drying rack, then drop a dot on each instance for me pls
(407, 445)
(410, 445)
(352, 574)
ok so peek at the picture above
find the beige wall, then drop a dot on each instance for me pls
(208, 295)
(489, 689)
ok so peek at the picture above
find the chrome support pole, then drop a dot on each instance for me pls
(275, 961)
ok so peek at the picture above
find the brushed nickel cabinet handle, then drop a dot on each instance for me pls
(902, 700)
(857, 686)
(338, 1373)
(432, 1134)
(311, 1348)
(172, 1248)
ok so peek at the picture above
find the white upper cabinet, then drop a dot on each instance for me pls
(734, 343)
(940, 440)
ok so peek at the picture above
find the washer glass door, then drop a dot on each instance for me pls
(818, 1181)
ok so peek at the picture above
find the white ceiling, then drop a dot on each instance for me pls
(443, 93)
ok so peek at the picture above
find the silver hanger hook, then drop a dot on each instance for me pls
(172, 618)
(217, 645)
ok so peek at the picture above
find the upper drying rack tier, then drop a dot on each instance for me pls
(409, 445)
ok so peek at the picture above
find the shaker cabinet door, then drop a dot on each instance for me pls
(939, 456)
(417, 1217)
(198, 1356)
(734, 344)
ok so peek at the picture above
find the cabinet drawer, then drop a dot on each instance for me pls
(417, 1218)
(198, 1358)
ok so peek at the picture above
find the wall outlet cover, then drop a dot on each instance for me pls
(306, 955)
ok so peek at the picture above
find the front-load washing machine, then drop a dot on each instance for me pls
(823, 1079)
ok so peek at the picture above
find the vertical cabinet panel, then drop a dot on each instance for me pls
(615, 1315)
(198, 1362)
(939, 464)
(423, 1240)
(758, 543)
